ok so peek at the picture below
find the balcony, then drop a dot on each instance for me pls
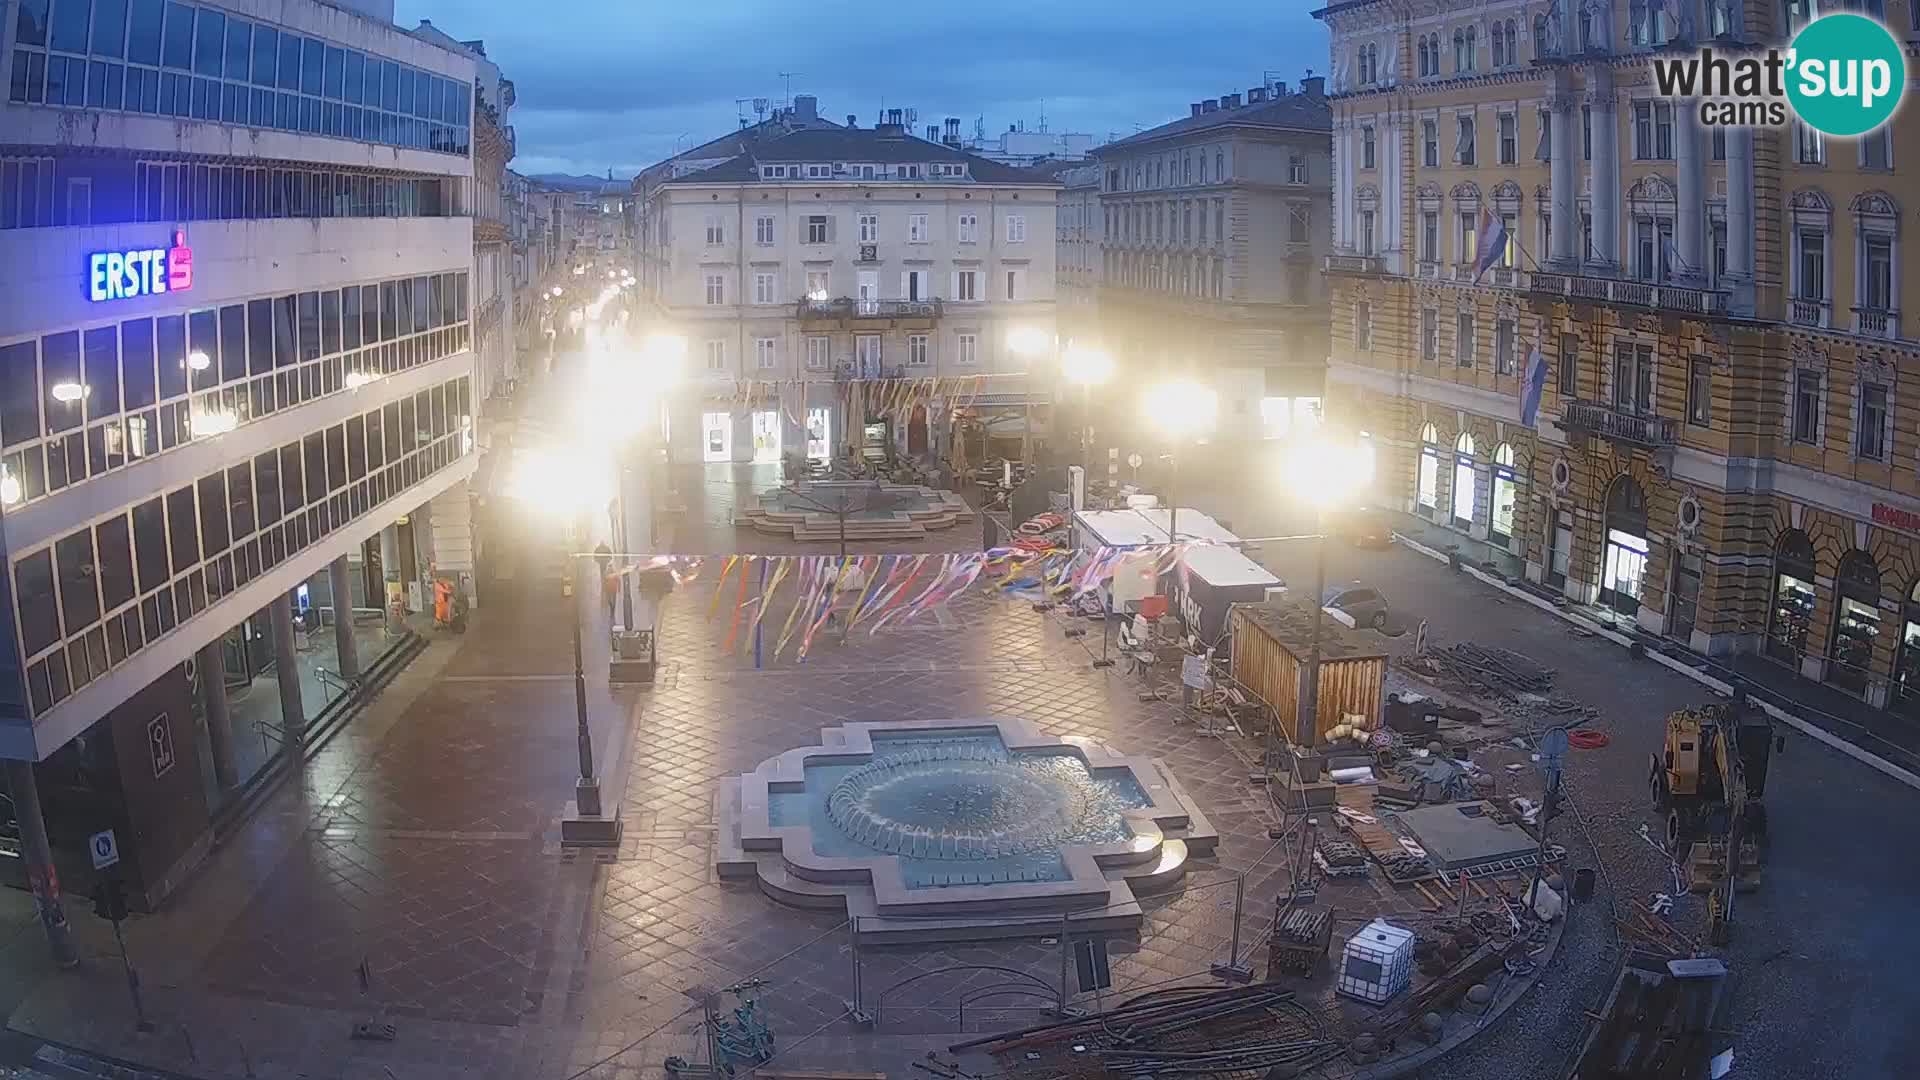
(1685, 299)
(1354, 264)
(1876, 322)
(1618, 425)
(876, 314)
(1804, 311)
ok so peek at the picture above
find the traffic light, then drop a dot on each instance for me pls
(110, 899)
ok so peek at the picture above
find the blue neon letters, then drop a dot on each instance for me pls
(122, 275)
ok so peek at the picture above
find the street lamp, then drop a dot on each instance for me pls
(1029, 343)
(1086, 365)
(1323, 474)
(1181, 410)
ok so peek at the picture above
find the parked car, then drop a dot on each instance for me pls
(1362, 526)
(1365, 606)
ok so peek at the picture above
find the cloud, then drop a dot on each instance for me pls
(620, 84)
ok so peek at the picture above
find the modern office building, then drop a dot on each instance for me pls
(236, 367)
(1723, 453)
(827, 257)
(1214, 227)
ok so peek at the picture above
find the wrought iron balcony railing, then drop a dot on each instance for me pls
(1619, 425)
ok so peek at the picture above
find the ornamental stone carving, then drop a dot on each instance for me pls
(1875, 204)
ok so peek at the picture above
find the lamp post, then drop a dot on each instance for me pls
(1324, 475)
(1086, 365)
(1182, 410)
(1030, 343)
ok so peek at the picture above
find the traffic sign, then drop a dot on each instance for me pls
(104, 848)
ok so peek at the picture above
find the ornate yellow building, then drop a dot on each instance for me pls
(1724, 449)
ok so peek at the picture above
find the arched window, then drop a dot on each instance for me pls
(1906, 671)
(1624, 564)
(1427, 483)
(1465, 493)
(1459, 50)
(1539, 36)
(1464, 444)
(1856, 624)
(1503, 455)
(1472, 49)
(1505, 492)
(1793, 597)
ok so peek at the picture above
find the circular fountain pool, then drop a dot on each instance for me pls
(964, 800)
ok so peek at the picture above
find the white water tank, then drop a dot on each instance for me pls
(1377, 962)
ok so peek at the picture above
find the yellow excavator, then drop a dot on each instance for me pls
(1708, 782)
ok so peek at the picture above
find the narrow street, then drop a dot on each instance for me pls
(1819, 952)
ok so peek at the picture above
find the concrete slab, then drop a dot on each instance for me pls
(1458, 840)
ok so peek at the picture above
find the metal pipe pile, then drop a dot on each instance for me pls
(1501, 669)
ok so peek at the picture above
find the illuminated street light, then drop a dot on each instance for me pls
(67, 393)
(1085, 365)
(1182, 410)
(1029, 342)
(1325, 475)
(198, 361)
(558, 292)
(9, 488)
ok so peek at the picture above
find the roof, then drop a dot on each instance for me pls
(1295, 112)
(1133, 528)
(1224, 567)
(857, 145)
(1290, 625)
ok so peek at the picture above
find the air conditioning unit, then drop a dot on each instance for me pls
(869, 252)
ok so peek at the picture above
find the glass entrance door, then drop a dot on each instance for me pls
(717, 436)
(1686, 598)
(1463, 493)
(1428, 495)
(819, 434)
(1559, 547)
(1501, 514)
(766, 436)
(1626, 564)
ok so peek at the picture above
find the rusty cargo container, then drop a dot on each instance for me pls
(1271, 645)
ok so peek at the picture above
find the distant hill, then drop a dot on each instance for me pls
(569, 182)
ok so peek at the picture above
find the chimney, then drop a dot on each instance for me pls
(893, 117)
(953, 131)
(806, 107)
(1231, 101)
(1209, 105)
(933, 132)
(1195, 107)
(1314, 86)
(1256, 95)
(853, 121)
(1279, 89)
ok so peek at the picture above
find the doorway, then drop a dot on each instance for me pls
(867, 285)
(1506, 490)
(917, 431)
(1463, 482)
(1686, 598)
(766, 436)
(819, 435)
(1790, 614)
(716, 437)
(1625, 563)
(1856, 626)
(1906, 671)
(1559, 547)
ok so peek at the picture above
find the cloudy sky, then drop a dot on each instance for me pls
(619, 83)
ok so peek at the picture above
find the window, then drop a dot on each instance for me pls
(1876, 286)
(1463, 339)
(819, 353)
(1653, 249)
(1870, 431)
(1509, 138)
(1875, 150)
(1296, 168)
(1430, 236)
(966, 285)
(1430, 143)
(869, 225)
(917, 350)
(1568, 372)
(1633, 378)
(1016, 228)
(1809, 146)
(1503, 333)
(763, 291)
(1430, 336)
(1463, 151)
(1469, 240)
(968, 228)
(716, 355)
(1299, 221)
(1699, 391)
(764, 356)
(1363, 326)
(1717, 239)
(817, 287)
(716, 290)
(1586, 235)
(716, 231)
(1806, 407)
(1366, 146)
(1013, 284)
(763, 230)
(819, 229)
(1811, 281)
(966, 349)
(1366, 232)
(1497, 42)
(1220, 221)
(1586, 132)
(917, 228)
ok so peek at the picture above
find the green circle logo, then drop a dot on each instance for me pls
(1845, 75)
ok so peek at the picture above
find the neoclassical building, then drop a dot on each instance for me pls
(1724, 450)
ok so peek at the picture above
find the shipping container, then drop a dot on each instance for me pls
(1272, 642)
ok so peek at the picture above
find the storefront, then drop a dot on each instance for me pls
(1856, 624)
(1906, 668)
(1427, 489)
(1506, 489)
(1791, 606)
(819, 434)
(1625, 561)
(1463, 485)
(766, 436)
(716, 434)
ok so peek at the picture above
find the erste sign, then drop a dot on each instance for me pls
(123, 275)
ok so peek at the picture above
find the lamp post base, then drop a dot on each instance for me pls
(585, 824)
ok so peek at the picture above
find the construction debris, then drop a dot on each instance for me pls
(1501, 671)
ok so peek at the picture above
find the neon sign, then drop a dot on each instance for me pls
(123, 275)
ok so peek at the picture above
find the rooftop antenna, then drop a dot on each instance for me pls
(980, 128)
(788, 76)
(760, 106)
(740, 109)
(1043, 115)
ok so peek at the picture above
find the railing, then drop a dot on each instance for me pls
(1803, 312)
(1685, 298)
(1353, 264)
(1608, 422)
(1876, 322)
(848, 308)
(1427, 269)
(1504, 276)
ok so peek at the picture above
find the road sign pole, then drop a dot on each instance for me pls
(141, 1023)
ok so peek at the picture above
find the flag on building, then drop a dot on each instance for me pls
(1532, 386)
(1493, 242)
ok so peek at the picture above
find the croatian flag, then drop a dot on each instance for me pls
(1531, 388)
(1493, 242)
